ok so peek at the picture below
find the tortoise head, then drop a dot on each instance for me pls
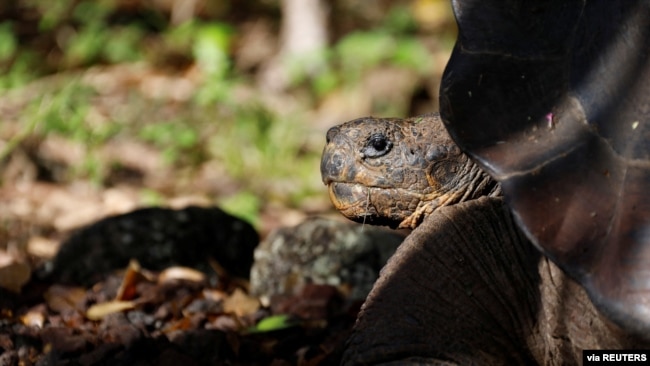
(394, 172)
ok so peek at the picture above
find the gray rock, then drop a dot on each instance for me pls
(322, 251)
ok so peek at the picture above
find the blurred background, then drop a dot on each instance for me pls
(109, 105)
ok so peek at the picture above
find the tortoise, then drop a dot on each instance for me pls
(549, 100)
(466, 284)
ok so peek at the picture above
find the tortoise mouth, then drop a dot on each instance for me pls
(369, 204)
(349, 198)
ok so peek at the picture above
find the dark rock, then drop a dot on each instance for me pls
(63, 340)
(313, 302)
(322, 251)
(101, 352)
(157, 238)
(116, 328)
(208, 347)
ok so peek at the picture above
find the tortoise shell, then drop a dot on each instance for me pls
(552, 99)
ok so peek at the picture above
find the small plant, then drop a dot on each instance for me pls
(176, 139)
(64, 112)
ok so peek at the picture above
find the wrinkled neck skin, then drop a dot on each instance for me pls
(396, 172)
(467, 182)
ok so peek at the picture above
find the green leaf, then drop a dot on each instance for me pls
(272, 323)
(243, 204)
(8, 42)
(362, 50)
(411, 53)
(151, 197)
(123, 44)
(325, 82)
(211, 48)
(86, 45)
(53, 13)
(87, 12)
(399, 20)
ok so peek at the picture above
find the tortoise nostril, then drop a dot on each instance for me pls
(331, 134)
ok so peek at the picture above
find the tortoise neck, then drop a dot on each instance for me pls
(468, 183)
(479, 183)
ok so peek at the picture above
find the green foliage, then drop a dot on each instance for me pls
(312, 65)
(19, 72)
(96, 40)
(261, 149)
(411, 54)
(326, 81)
(399, 20)
(211, 49)
(376, 46)
(272, 323)
(16, 65)
(150, 197)
(241, 144)
(18, 138)
(180, 39)
(245, 205)
(176, 139)
(92, 12)
(214, 90)
(124, 45)
(379, 48)
(64, 112)
(8, 41)
(86, 45)
(52, 13)
(390, 44)
(208, 43)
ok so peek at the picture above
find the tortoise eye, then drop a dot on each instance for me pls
(377, 145)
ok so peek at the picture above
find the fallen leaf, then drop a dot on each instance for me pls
(181, 273)
(35, 317)
(181, 324)
(98, 311)
(203, 306)
(214, 295)
(132, 276)
(14, 275)
(226, 323)
(42, 247)
(240, 303)
(61, 298)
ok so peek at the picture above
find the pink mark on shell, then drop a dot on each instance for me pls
(549, 120)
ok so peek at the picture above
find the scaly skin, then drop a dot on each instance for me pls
(395, 172)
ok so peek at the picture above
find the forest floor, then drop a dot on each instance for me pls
(93, 141)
